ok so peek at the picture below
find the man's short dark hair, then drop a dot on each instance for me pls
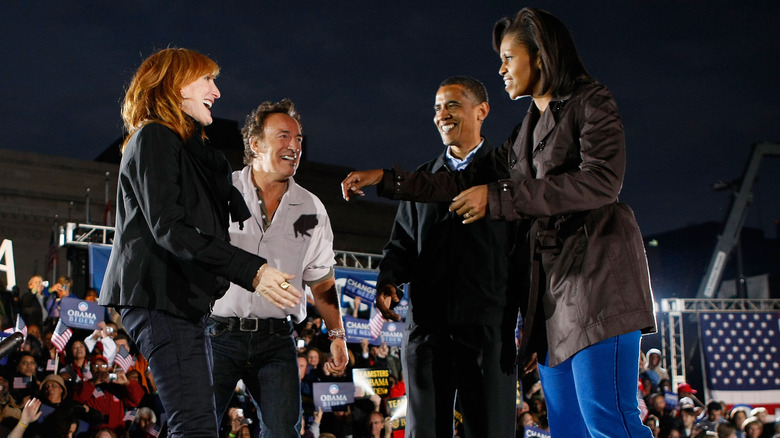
(475, 90)
(255, 122)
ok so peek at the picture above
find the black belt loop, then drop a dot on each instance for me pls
(236, 324)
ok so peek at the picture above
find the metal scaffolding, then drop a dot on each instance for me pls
(358, 260)
(75, 234)
(672, 333)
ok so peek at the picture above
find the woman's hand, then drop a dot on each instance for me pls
(471, 204)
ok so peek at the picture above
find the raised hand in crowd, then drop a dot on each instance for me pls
(117, 376)
(356, 306)
(236, 420)
(30, 414)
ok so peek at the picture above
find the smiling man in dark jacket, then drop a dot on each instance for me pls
(460, 326)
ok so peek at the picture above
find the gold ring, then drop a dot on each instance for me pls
(284, 285)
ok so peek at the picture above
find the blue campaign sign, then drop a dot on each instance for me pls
(81, 314)
(358, 288)
(402, 308)
(392, 333)
(534, 432)
(671, 401)
(330, 394)
(357, 329)
(351, 305)
(4, 359)
(341, 273)
(361, 283)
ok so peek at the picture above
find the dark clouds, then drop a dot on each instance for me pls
(695, 81)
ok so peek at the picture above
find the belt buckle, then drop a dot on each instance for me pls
(248, 324)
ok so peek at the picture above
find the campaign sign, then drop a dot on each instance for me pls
(402, 308)
(357, 288)
(81, 314)
(356, 306)
(392, 333)
(535, 432)
(4, 359)
(671, 401)
(370, 381)
(330, 394)
(396, 408)
(357, 329)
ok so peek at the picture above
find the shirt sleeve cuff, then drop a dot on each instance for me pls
(500, 200)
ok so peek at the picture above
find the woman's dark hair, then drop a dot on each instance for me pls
(545, 36)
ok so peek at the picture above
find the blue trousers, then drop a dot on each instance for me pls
(267, 361)
(179, 354)
(593, 393)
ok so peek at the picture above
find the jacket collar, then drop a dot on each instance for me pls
(293, 196)
(441, 160)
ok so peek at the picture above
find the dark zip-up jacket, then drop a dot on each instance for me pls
(457, 274)
(171, 250)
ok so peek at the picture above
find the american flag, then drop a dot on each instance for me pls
(22, 382)
(742, 357)
(130, 414)
(376, 323)
(20, 327)
(61, 336)
(152, 429)
(643, 411)
(107, 217)
(123, 358)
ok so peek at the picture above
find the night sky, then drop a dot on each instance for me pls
(696, 82)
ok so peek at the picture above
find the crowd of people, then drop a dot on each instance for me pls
(85, 391)
(678, 413)
(88, 388)
(68, 382)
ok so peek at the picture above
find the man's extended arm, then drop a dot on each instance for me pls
(326, 300)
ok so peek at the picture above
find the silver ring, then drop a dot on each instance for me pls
(466, 216)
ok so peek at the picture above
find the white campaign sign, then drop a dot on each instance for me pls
(7, 263)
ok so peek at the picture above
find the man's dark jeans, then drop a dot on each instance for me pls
(267, 361)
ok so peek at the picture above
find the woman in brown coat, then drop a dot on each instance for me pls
(558, 177)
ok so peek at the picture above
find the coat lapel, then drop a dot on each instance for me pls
(522, 147)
